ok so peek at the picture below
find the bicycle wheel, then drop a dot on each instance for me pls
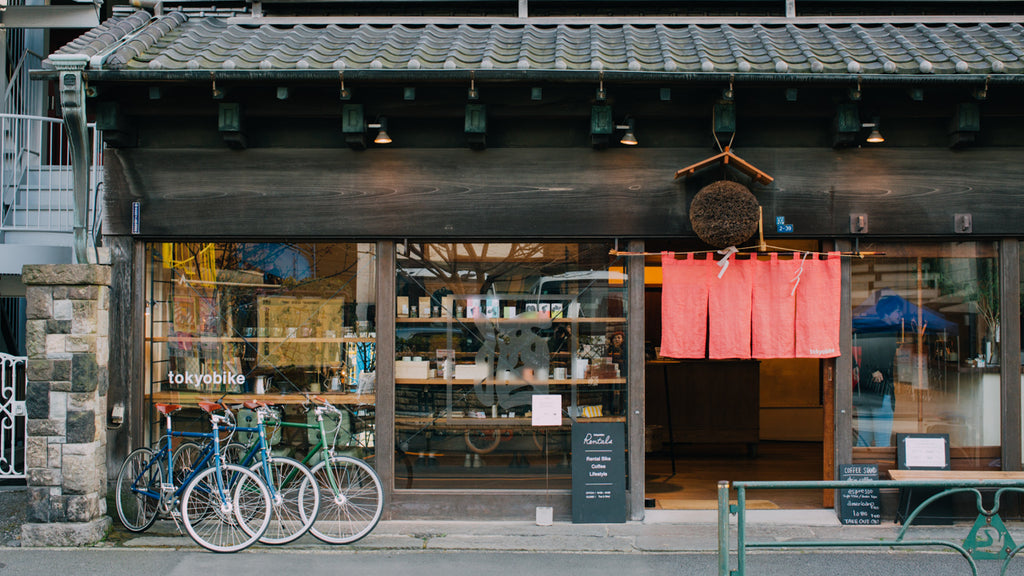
(137, 493)
(185, 459)
(352, 510)
(482, 442)
(234, 452)
(240, 506)
(294, 496)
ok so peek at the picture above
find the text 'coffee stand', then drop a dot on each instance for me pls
(598, 472)
(859, 505)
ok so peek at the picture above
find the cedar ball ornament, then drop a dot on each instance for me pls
(724, 214)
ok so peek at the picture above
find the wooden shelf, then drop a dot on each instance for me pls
(256, 340)
(470, 382)
(193, 398)
(560, 320)
(490, 423)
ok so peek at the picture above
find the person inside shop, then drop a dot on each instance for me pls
(873, 397)
(617, 349)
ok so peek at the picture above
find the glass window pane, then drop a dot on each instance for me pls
(926, 350)
(481, 329)
(276, 322)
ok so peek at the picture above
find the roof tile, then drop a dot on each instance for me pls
(177, 41)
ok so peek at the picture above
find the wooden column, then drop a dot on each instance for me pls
(1010, 374)
(127, 310)
(636, 378)
(839, 417)
(385, 408)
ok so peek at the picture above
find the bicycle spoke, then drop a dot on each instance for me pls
(184, 460)
(295, 500)
(351, 500)
(137, 491)
(237, 508)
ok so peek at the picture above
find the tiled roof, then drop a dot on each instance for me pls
(180, 42)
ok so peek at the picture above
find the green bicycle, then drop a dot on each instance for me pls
(351, 494)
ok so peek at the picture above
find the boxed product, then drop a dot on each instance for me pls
(412, 369)
(474, 372)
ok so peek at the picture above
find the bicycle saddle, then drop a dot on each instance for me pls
(166, 409)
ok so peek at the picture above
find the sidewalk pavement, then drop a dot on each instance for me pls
(661, 531)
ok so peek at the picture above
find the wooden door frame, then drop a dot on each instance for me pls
(837, 399)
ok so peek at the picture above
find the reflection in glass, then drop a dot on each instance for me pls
(482, 329)
(268, 321)
(926, 349)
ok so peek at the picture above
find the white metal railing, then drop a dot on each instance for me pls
(22, 95)
(36, 183)
(12, 416)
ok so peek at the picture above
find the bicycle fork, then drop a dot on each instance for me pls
(268, 470)
(339, 498)
(168, 489)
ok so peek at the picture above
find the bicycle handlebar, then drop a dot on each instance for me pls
(326, 405)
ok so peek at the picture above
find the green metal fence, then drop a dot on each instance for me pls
(988, 539)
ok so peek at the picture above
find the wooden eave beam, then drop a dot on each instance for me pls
(727, 157)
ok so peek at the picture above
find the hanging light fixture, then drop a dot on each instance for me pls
(628, 138)
(382, 135)
(875, 136)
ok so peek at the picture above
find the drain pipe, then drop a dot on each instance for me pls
(723, 528)
(72, 106)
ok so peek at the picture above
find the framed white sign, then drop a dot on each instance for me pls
(547, 409)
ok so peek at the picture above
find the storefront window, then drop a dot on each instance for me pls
(926, 350)
(482, 329)
(278, 322)
(1019, 354)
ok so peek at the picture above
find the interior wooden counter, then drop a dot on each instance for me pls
(193, 398)
(955, 475)
(489, 423)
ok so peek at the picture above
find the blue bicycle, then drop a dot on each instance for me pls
(293, 491)
(224, 507)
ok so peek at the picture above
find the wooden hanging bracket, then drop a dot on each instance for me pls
(727, 157)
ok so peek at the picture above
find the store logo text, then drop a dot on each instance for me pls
(195, 380)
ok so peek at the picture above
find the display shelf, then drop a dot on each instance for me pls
(193, 398)
(499, 336)
(257, 339)
(417, 422)
(471, 382)
(516, 320)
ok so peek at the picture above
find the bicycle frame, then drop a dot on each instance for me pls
(321, 446)
(261, 447)
(170, 492)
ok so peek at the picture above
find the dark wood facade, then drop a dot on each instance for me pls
(539, 178)
(552, 193)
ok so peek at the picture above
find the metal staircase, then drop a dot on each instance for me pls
(36, 192)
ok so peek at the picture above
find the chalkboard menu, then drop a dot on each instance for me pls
(598, 472)
(859, 505)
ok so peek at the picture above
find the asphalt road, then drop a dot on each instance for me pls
(132, 562)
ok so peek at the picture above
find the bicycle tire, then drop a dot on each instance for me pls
(184, 459)
(487, 446)
(188, 453)
(140, 471)
(356, 508)
(228, 528)
(233, 452)
(295, 499)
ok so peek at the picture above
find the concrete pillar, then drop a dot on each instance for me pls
(66, 402)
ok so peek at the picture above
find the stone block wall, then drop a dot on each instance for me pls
(66, 403)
